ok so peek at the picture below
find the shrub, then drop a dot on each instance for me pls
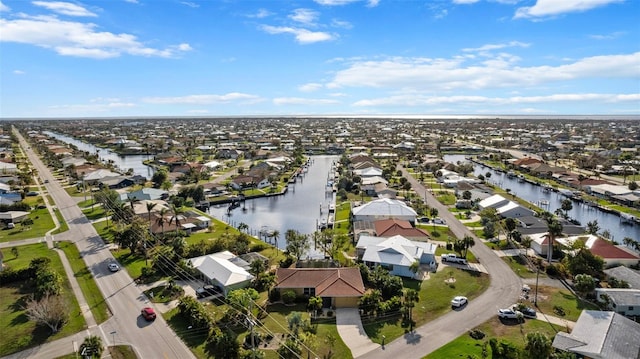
(274, 295)
(552, 270)
(289, 296)
(476, 334)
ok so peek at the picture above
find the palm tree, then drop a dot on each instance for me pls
(554, 231)
(243, 227)
(411, 297)
(150, 206)
(92, 347)
(275, 235)
(175, 217)
(161, 218)
(467, 241)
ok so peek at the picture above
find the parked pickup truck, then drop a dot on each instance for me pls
(452, 258)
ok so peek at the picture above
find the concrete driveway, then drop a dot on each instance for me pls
(352, 332)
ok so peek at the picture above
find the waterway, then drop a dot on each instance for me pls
(298, 209)
(122, 162)
(536, 195)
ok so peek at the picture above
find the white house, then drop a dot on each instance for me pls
(621, 301)
(384, 208)
(514, 210)
(494, 201)
(217, 269)
(396, 253)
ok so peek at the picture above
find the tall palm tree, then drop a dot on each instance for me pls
(150, 206)
(161, 218)
(468, 242)
(554, 231)
(175, 217)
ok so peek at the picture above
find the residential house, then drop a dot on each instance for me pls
(218, 269)
(622, 273)
(613, 255)
(383, 209)
(624, 301)
(394, 227)
(13, 216)
(396, 254)
(601, 335)
(494, 201)
(96, 176)
(338, 287)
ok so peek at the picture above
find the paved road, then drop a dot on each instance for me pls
(502, 292)
(151, 340)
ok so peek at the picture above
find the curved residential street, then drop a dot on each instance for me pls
(502, 292)
(124, 299)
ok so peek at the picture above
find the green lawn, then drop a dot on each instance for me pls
(133, 263)
(435, 300)
(89, 288)
(465, 346)
(42, 223)
(548, 297)
(18, 332)
(518, 266)
(104, 230)
(63, 224)
(94, 213)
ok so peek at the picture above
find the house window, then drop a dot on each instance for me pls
(630, 308)
(309, 292)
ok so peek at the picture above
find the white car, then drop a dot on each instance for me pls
(113, 267)
(458, 301)
(508, 314)
(452, 258)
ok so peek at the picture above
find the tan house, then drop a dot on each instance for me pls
(338, 287)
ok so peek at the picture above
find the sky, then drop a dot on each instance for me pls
(114, 58)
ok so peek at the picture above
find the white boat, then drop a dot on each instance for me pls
(627, 218)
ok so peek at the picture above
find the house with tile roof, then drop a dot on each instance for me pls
(396, 254)
(601, 335)
(613, 255)
(393, 227)
(338, 287)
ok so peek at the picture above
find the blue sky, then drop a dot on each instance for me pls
(325, 57)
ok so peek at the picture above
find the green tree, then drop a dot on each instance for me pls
(593, 227)
(584, 284)
(223, 344)
(411, 297)
(91, 347)
(315, 304)
(538, 346)
(297, 243)
(295, 322)
(554, 230)
(467, 241)
(582, 261)
(566, 206)
(159, 178)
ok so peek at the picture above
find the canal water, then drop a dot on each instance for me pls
(122, 162)
(536, 195)
(298, 209)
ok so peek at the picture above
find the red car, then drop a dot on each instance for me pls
(148, 313)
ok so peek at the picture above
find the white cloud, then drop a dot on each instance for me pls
(422, 74)
(304, 16)
(420, 100)
(464, 2)
(335, 2)
(18, 72)
(302, 36)
(94, 107)
(341, 24)
(611, 36)
(70, 38)
(310, 87)
(373, 3)
(4, 7)
(190, 4)
(132, 1)
(65, 8)
(489, 47)
(303, 101)
(548, 8)
(261, 14)
(204, 99)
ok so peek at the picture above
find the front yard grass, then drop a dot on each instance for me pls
(18, 332)
(42, 223)
(435, 300)
(464, 346)
(88, 285)
(519, 267)
(550, 297)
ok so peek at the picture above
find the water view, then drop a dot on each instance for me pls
(536, 195)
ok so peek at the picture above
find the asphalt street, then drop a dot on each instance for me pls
(124, 299)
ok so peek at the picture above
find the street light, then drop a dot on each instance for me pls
(535, 298)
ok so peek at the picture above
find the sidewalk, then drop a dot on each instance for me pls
(352, 332)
